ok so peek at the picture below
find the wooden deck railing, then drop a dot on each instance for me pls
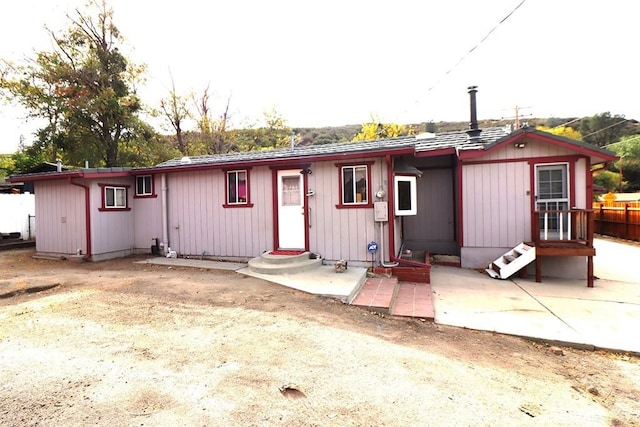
(563, 226)
(564, 233)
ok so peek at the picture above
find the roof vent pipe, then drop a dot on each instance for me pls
(58, 165)
(293, 134)
(474, 131)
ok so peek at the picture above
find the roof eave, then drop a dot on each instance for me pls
(592, 153)
(293, 160)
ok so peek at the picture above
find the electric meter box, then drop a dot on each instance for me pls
(380, 211)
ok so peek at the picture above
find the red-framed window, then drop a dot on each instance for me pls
(237, 188)
(145, 187)
(115, 197)
(354, 185)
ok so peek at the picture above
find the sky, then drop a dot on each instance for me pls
(336, 62)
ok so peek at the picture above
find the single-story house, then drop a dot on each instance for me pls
(474, 194)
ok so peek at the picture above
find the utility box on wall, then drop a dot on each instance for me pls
(380, 211)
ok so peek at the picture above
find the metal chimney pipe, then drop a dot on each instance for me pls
(473, 124)
(474, 131)
(293, 134)
(58, 165)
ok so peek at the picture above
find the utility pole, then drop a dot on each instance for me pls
(517, 117)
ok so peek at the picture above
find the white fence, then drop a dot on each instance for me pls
(17, 213)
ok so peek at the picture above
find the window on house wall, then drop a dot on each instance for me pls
(406, 199)
(355, 185)
(144, 185)
(114, 197)
(238, 189)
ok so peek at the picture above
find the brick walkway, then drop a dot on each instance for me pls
(387, 295)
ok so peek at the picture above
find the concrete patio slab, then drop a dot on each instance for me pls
(194, 263)
(323, 281)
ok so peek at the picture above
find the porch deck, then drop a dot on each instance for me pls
(563, 233)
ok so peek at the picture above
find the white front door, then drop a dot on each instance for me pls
(291, 230)
(552, 194)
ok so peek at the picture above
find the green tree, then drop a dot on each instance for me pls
(603, 129)
(607, 179)
(84, 88)
(272, 132)
(276, 133)
(628, 149)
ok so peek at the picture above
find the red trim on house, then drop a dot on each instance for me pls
(87, 214)
(274, 204)
(552, 159)
(459, 208)
(290, 166)
(153, 194)
(104, 208)
(45, 177)
(238, 206)
(114, 209)
(305, 207)
(52, 176)
(572, 184)
(390, 210)
(369, 204)
(274, 198)
(434, 153)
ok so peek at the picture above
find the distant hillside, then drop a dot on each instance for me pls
(331, 134)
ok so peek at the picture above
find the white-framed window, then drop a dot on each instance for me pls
(144, 185)
(355, 185)
(114, 197)
(237, 188)
(406, 195)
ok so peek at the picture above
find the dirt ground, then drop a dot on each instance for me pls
(119, 343)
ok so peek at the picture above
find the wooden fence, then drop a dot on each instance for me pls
(618, 219)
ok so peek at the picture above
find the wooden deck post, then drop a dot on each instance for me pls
(538, 269)
(590, 272)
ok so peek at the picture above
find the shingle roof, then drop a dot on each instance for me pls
(460, 140)
(439, 141)
(308, 151)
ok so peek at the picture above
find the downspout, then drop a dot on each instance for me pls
(87, 216)
(164, 207)
(383, 263)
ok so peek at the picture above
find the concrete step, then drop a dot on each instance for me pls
(283, 264)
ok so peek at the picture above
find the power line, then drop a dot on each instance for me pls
(610, 126)
(566, 123)
(477, 45)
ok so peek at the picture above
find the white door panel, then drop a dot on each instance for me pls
(291, 230)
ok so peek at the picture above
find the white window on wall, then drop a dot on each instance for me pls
(115, 197)
(355, 185)
(237, 189)
(144, 185)
(406, 199)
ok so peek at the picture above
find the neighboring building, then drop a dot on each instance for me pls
(472, 194)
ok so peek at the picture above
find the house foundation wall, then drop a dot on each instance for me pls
(563, 267)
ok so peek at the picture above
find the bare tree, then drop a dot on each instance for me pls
(175, 110)
(214, 132)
